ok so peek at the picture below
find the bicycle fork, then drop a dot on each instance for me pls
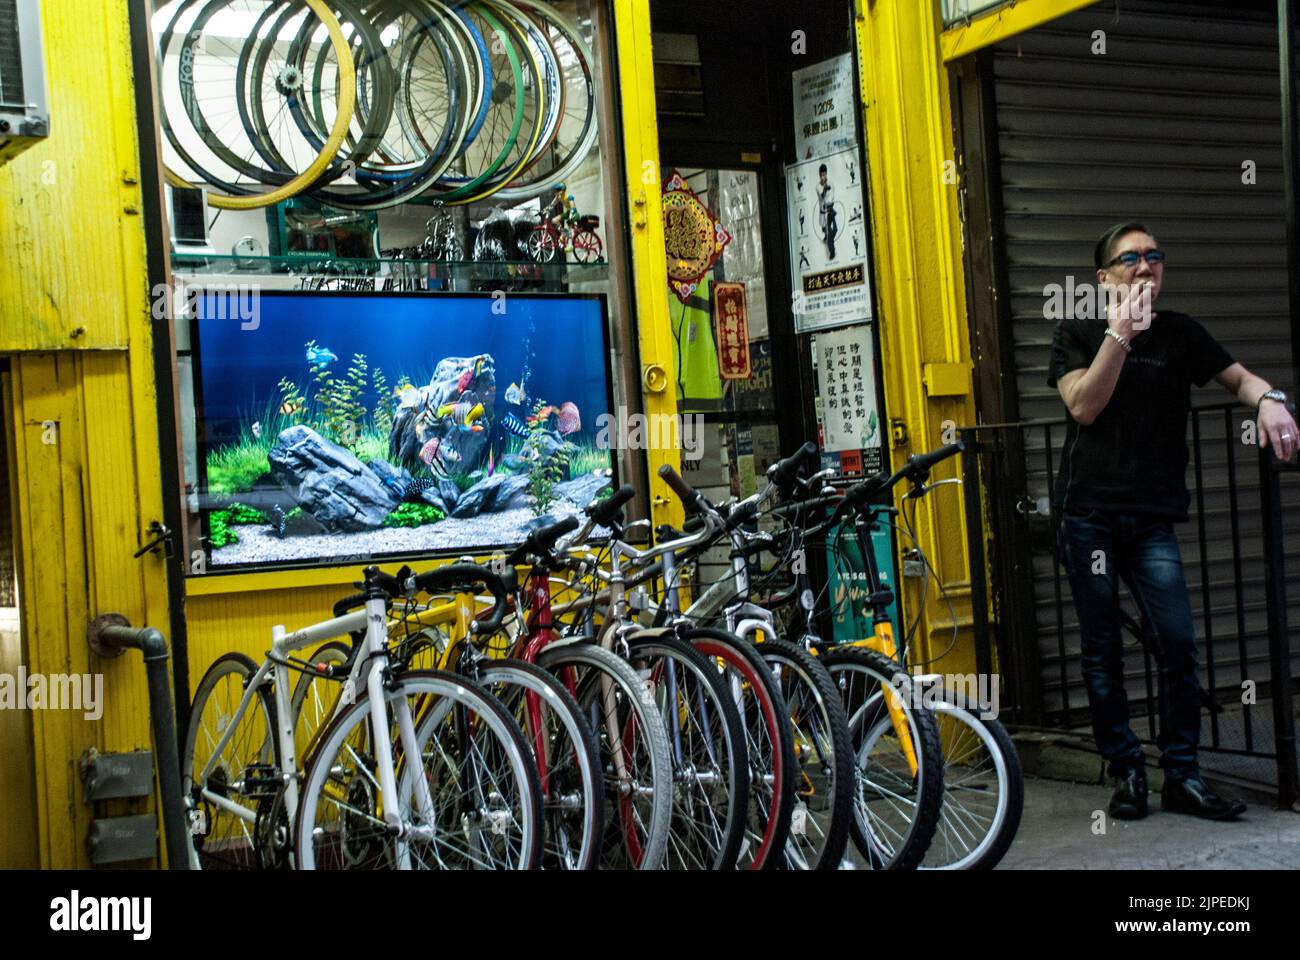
(882, 641)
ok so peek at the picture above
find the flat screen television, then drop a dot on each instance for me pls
(336, 427)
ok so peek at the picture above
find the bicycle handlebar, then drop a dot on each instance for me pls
(782, 473)
(916, 469)
(540, 542)
(605, 512)
(688, 496)
(455, 574)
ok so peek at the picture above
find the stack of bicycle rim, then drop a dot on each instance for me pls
(369, 105)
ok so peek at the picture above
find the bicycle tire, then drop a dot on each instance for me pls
(572, 785)
(310, 703)
(362, 838)
(949, 850)
(455, 191)
(769, 742)
(229, 840)
(895, 832)
(581, 98)
(645, 804)
(711, 765)
(823, 754)
(242, 198)
(388, 185)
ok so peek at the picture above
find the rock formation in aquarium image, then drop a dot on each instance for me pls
(347, 460)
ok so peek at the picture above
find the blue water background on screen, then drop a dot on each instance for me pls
(240, 369)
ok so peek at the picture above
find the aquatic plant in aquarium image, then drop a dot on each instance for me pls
(345, 426)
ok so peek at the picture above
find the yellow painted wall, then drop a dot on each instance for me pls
(69, 257)
(74, 300)
(920, 281)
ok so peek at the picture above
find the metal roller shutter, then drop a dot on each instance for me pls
(1156, 130)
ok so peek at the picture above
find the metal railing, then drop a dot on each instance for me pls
(1009, 475)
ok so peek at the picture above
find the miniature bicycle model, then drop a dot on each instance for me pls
(574, 232)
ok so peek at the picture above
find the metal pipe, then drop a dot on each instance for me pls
(975, 548)
(110, 635)
(1279, 652)
(1286, 29)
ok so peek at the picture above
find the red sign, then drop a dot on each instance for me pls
(731, 317)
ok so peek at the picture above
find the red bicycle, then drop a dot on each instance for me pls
(632, 739)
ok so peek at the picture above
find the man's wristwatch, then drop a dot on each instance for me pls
(1277, 395)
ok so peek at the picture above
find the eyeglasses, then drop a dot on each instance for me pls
(1130, 258)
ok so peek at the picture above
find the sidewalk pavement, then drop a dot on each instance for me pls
(1057, 833)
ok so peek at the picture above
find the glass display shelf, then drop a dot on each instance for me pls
(392, 272)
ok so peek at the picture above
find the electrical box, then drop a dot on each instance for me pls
(24, 107)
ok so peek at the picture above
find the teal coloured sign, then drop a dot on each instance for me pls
(848, 582)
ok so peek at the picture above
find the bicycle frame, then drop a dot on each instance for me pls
(367, 669)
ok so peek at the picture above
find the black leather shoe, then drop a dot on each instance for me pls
(1193, 796)
(1129, 801)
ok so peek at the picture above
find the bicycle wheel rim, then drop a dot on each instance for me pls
(229, 841)
(710, 789)
(768, 741)
(895, 810)
(637, 808)
(819, 828)
(348, 830)
(578, 129)
(970, 827)
(242, 198)
(564, 748)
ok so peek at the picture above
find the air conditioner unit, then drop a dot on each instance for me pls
(24, 110)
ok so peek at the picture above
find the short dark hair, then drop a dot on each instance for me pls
(822, 168)
(1102, 253)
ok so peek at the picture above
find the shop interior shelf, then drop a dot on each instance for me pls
(397, 270)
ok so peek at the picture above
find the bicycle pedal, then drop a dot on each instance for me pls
(261, 781)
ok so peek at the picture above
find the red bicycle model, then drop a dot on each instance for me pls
(546, 240)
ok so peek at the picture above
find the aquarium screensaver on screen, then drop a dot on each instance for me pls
(334, 427)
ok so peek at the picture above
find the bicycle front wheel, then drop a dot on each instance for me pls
(634, 754)
(898, 773)
(568, 760)
(467, 797)
(227, 797)
(710, 763)
(983, 790)
(769, 743)
(823, 752)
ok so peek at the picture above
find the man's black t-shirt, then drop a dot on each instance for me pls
(1133, 457)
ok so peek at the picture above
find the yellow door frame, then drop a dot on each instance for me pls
(914, 179)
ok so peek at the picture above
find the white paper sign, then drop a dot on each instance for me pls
(846, 386)
(828, 242)
(824, 107)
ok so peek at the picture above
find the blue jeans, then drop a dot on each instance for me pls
(1098, 550)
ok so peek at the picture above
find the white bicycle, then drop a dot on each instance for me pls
(413, 770)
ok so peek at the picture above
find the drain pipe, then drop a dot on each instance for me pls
(109, 635)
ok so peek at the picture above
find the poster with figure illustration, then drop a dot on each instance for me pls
(846, 390)
(828, 242)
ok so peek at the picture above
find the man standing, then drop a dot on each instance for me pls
(1126, 380)
(826, 207)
